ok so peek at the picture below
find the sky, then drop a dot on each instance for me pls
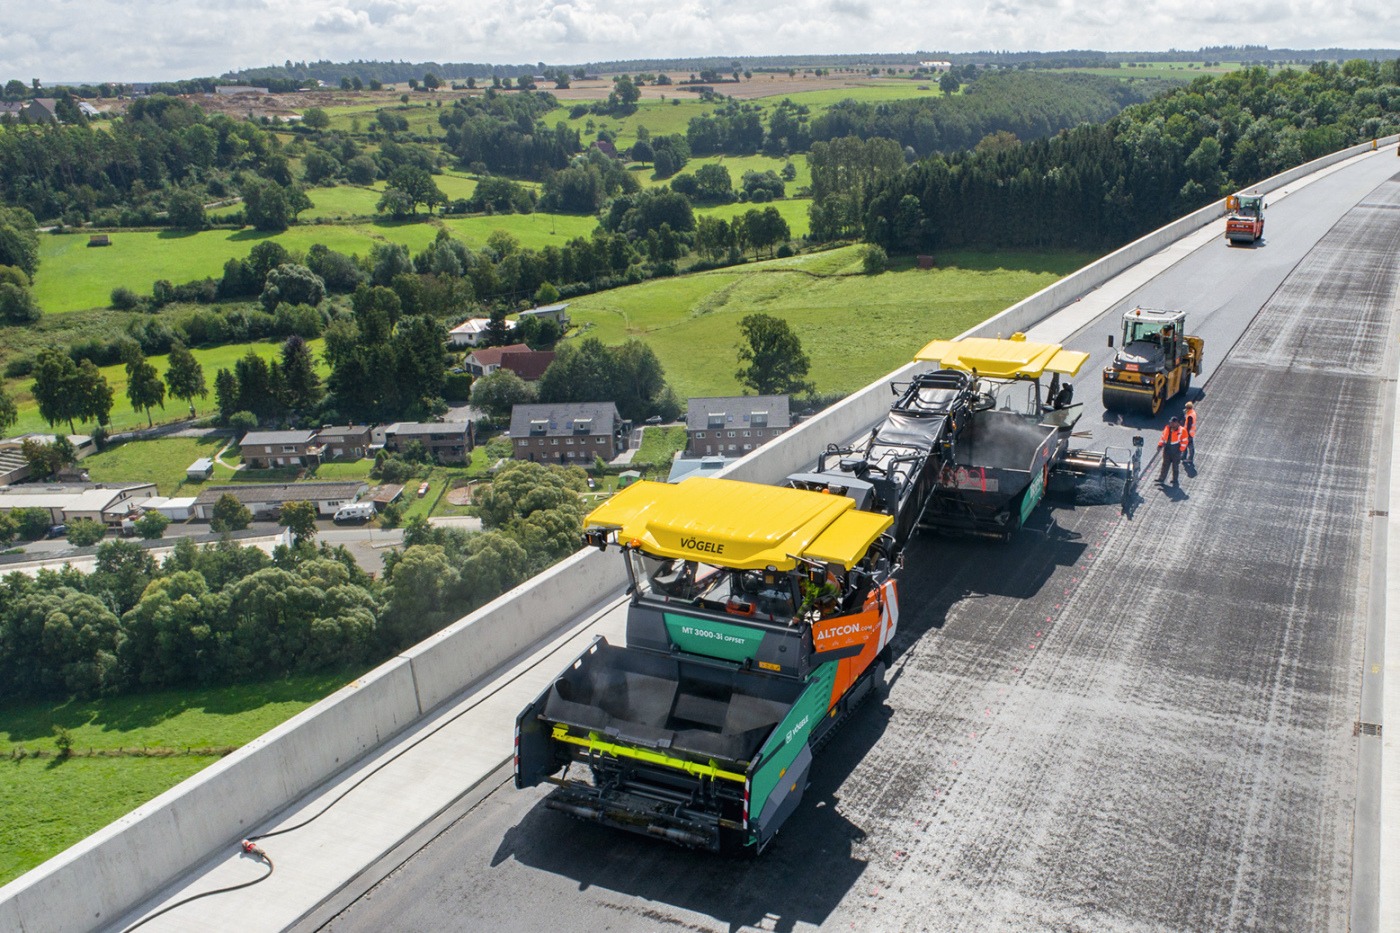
(152, 40)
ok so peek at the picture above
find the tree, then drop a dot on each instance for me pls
(47, 459)
(70, 392)
(300, 519)
(31, 523)
(17, 305)
(19, 240)
(143, 386)
(412, 186)
(8, 413)
(302, 384)
(497, 392)
(184, 376)
(9, 528)
(152, 525)
(185, 210)
(315, 117)
(771, 360)
(642, 152)
(294, 284)
(948, 83)
(229, 514)
(85, 532)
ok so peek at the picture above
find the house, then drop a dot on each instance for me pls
(446, 441)
(567, 432)
(487, 360)
(177, 509)
(13, 467)
(39, 110)
(101, 502)
(10, 110)
(200, 470)
(527, 364)
(558, 313)
(265, 500)
(263, 450)
(344, 441)
(606, 148)
(469, 333)
(734, 425)
(100, 239)
(88, 110)
(936, 66)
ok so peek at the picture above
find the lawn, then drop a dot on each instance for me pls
(853, 327)
(659, 446)
(161, 461)
(47, 805)
(124, 417)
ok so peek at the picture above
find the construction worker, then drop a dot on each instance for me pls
(1172, 445)
(1189, 423)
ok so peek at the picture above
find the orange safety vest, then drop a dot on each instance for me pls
(1177, 437)
(1191, 423)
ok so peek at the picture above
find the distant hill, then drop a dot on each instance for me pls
(390, 72)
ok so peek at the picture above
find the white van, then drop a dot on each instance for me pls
(355, 512)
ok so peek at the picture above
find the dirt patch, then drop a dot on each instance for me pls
(462, 495)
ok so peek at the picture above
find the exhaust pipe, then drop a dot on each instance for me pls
(680, 836)
(576, 810)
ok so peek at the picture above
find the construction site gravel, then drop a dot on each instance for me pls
(1122, 720)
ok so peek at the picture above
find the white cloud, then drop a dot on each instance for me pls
(163, 39)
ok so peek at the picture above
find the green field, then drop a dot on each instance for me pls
(161, 461)
(794, 211)
(73, 276)
(123, 416)
(534, 231)
(48, 804)
(855, 328)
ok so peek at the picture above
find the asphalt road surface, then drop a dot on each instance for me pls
(1115, 722)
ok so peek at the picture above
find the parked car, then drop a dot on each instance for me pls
(423, 489)
(58, 531)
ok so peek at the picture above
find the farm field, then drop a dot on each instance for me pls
(853, 327)
(123, 416)
(47, 804)
(73, 276)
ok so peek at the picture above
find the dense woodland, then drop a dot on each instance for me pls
(1101, 185)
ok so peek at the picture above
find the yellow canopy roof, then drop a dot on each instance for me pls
(745, 526)
(1003, 359)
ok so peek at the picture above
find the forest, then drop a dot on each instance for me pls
(1101, 185)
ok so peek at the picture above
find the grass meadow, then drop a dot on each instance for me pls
(47, 803)
(853, 327)
(161, 461)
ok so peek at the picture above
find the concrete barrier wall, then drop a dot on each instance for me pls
(464, 652)
(123, 864)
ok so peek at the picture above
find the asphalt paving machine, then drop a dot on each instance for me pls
(1154, 364)
(759, 617)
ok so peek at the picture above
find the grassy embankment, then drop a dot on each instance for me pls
(124, 751)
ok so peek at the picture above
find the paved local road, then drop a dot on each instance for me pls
(1113, 723)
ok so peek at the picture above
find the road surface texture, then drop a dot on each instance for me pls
(1116, 722)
